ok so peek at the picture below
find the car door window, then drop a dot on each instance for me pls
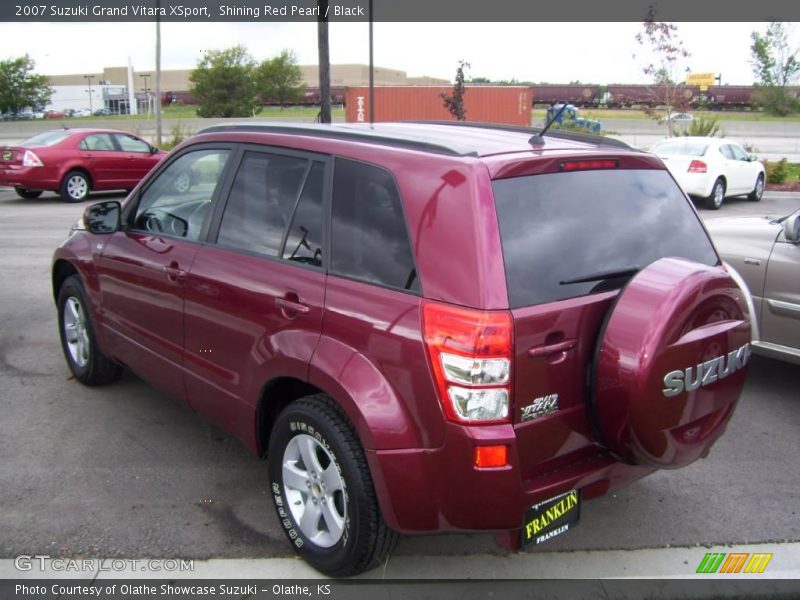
(726, 152)
(177, 201)
(369, 239)
(304, 241)
(737, 153)
(101, 142)
(128, 143)
(261, 202)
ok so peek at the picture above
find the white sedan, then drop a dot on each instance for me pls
(712, 168)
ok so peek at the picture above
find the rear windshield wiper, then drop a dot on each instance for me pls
(624, 272)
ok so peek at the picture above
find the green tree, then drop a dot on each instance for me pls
(665, 65)
(775, 66)
(20, 87)
(455, 102)
(225, 84)
(280, 78)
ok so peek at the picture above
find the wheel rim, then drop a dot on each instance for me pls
(759, 187)
(76, 334)
(77, 187)
(315, 490)
(182, 183)
(718, 194)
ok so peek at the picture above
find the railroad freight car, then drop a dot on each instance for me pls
(582, 95)
(625, 96)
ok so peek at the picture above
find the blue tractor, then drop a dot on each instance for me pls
(569, 118)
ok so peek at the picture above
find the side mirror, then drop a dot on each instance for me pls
(153, 149)
(103, 217)
(791, 228)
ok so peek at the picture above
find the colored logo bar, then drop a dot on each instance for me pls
(734, 562)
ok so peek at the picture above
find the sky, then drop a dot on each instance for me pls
(540, 52)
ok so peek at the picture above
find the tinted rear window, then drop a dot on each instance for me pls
(48, 138)
(681, 147)
(564, 226)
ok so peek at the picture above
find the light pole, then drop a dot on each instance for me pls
(89, 79)
(146, 92)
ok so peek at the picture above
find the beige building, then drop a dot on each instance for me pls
(177, 80)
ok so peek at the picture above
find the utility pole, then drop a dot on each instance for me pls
(89, 79)
(158, 74)
(324, 63)
(371, 71)
(145, 76)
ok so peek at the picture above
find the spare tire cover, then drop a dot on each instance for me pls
(670, 363)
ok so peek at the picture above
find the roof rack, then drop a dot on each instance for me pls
(587, 138)
(338, 132)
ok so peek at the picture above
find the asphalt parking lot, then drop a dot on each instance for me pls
(123, 471)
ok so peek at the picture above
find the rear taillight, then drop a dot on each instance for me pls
(697, 166)
(29, 159)
(470, 353)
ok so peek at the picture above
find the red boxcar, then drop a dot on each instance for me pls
(488, 104)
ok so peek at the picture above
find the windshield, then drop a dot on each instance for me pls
(48, 138)
(571, 234)
(683, 147)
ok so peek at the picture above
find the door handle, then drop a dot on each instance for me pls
(291, 305)
(548, 349)
(174, 272)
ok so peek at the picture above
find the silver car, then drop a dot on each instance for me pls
(766, 253)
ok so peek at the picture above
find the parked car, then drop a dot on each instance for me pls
(712, 169)
(421, 327)
(82, 112)
(686, 117)
(766, 252)
(74, 162)
(54, 114)
(101, 112)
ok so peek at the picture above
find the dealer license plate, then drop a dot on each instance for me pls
(7, 155)
(551, 518)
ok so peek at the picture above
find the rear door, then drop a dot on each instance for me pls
(780, 312)
(255, 296)
(570, 241)
(105, 162)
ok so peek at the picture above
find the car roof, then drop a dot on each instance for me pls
(439, 137)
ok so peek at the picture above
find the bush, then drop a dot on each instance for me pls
(702, 127)
(178, 133)
(777, 172)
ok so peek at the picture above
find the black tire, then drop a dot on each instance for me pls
(714, 200)
(87, 363)
(27, 194)
(363, 541)
(758, 189)
(75, 186)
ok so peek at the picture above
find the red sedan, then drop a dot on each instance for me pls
(73, 162)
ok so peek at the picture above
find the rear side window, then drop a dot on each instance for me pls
(681, 147)
(304, 241)
(559, 227)
(368, 230)
(261, 203)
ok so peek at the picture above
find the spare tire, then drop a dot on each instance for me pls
(670, 363)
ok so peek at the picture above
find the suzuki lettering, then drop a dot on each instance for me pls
(706, 372)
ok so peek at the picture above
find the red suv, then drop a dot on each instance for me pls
(421, 327)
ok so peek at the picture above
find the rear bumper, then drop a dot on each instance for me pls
(34, 178)
(423, 491)
(696, 184)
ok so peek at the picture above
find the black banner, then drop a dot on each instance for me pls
(265, 11)
(368, 589)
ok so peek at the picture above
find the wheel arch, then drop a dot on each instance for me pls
(276, 394)
(80, 168)
(62, 269)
